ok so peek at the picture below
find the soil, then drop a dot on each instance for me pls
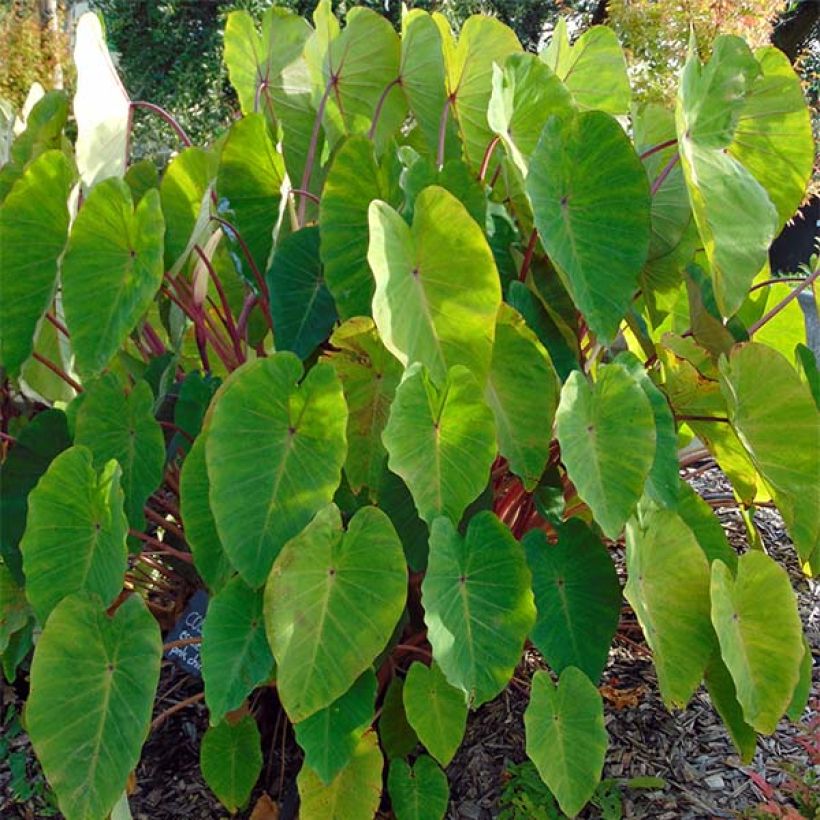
(689, 749)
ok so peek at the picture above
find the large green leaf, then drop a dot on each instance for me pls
(663, 480)
(774, 415)
(355, 792)
(735, 217)
(526, 93)
(577, 597)
(102, 109)
(274, 450)
(436, 710)
(111, 271)
(250, 178)
(440, 441)
(668, 587)
(586, 182)
(43, 131)
(33, 230)
(773, 137)
(723, 694)
(93, 680)
(369, 374)
(761, 639)
(522, 392)
(360, 64)
(478, 604)
(353, 182)
(301, 306)
(210, 560)
(184, 193)
(331, 604)
(607, 435)
(230, 758)
(236, 657)
(45, 437)
(422, 76)
(483, 41)
(437, 287)
(113, 424)
(419, 792)
(593, 68)
(566, 738)
(331, 735)
(257, 62)
(75, 532)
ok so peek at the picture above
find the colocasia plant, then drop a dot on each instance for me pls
(390, 369)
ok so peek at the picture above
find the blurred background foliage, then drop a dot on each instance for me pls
(170, 51)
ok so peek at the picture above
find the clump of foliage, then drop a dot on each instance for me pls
(388, 369)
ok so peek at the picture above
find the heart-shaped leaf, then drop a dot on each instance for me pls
(355, 792)
(113, 424)
(478, 604)
(75, 532)
(576, 200)
(101, 106)
(43, 132)
(321, 642)
(437, 287)
(330, 736)
(352, 183)
(250, 179)
(607, 437)
(111, 271)
(422, 78)
(566, 738)
(420, 792)
(773, 137)
(36, 206)
(441, 442)
(522, 392)
(593, 68)
(360, 65)
(369, 374)
(482, 42)
(761, 639)
(436, 710)
(735, 217)
(236, 657)
(763, 393)
(183, 192)
(301, 306)
(43, 438)
(231, 761)
(93, 680)
(284, 445)
(259, 64)
(668, 587)
(526, 92)
(577, 597)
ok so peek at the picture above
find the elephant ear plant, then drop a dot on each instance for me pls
(392, 369)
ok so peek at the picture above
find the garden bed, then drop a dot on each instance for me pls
(690, 750)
